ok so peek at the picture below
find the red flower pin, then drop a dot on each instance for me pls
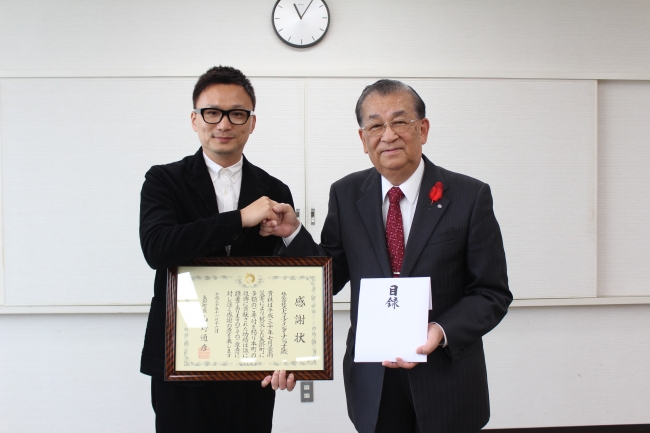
(436, 192)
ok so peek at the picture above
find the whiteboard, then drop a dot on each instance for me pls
(623, 210)
(71, 180)
(74, 155)
(533, 141)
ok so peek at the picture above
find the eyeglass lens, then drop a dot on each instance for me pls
(398, 126)
(236, 117)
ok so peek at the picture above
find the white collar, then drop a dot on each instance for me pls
(214, 168)
(410, 187)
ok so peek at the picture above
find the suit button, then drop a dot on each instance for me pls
(235, 237)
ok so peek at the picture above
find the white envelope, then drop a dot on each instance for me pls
(392, 319)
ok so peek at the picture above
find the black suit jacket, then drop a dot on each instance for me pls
(180, 221)
(457, 243)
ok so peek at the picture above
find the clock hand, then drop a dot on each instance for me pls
(297, 11)
(303, 14)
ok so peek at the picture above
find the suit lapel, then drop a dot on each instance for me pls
(252, 188)
(200, 180)
(427, 215)
(369, 206)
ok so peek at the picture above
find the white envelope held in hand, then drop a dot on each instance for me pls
(392, 319)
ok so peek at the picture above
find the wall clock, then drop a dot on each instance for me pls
(301, 23)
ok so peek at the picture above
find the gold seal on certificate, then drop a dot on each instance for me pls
(242, 318)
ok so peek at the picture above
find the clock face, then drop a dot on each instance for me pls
(301, 23)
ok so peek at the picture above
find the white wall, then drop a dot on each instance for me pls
(417, 38)
(112, 81)
(547, 366)
(567, 366)
(73, 373)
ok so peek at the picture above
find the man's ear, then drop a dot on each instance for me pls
(365, 148)
(424, 130)
(193, 119)
(253, 123)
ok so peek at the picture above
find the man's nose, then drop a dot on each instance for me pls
(224, 124)
(389, 135)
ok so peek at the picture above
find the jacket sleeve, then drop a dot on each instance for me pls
(331, 244)
(486, 295)
(167, 241)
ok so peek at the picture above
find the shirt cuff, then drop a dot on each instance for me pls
(292, 236)
(443, 343)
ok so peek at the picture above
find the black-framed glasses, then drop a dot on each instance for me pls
(399, 125)
(212, 115)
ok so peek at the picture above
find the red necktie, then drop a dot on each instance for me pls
(395, 230)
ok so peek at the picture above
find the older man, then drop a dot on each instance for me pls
(208, 204)
(407, 217)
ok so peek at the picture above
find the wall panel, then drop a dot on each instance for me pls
(534, 142)
(74, 156)
(277, 144)
(623, 210)
(333, 148)
(2, 270)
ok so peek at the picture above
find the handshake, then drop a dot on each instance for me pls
(274, 218)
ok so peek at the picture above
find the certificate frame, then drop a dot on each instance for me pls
(321, 372)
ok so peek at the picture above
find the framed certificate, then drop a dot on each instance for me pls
(241, 318)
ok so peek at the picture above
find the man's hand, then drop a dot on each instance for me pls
(258, 211)
(284, 224)
(434, 337)
(279, 380)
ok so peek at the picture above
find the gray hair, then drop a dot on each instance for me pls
(387, 87)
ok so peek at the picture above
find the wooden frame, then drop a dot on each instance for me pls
(280, 274)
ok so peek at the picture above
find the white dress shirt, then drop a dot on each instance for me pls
(411, 189)
(226, 182)
(227, 185)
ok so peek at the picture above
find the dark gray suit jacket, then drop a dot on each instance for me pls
(180, 221)
(457, 245)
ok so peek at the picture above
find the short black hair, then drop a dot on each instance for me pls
(387, 87)
(222, 75)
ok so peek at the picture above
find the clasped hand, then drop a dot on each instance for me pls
(274, 218)
(283, 223)
(258, 211)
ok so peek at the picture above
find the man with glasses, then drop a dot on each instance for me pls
(407, 217)
(208, 204)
